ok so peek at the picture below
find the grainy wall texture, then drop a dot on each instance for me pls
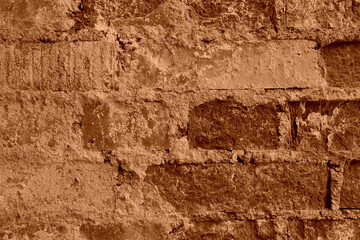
(179, 119)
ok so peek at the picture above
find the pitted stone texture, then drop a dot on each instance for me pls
(239, 187)
(350, 197)
(220, 124)
(326, 125)
(342, 61)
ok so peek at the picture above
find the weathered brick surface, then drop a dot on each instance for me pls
(325, 125)
(260, 64)
(231, 230)
(323, 229)
(349, 197)
(325, 21)
(179, 119)
(278, 64)
(342, 62)
(196, 188)
(320, 14)
(96, 126)
(53, 122)
(59, 67)
(125, 124)
(111, 9)
(119, 231)
(33, 120)
(57, 192)
(255, 14)
(35, 19)
(230, 125)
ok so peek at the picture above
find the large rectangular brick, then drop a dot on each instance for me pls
(325, 125)
(239, 187)
(226, 124)
(44, 192)
(107, 126)
(350, 191)
(342, 61)
(275, 64)
(42, 121)
(78, 66)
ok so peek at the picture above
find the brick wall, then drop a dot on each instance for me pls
(179, 119)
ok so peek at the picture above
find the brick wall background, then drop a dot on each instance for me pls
(179, 119)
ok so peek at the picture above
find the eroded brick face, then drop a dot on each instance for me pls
(342, 62)
(230, 125)
(326, 125)
(259, 11)
(238, 187)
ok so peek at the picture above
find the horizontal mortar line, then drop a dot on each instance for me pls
(39, 41)
(325, 214)
(309, 91)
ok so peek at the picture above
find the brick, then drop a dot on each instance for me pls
(342, 62)
(275, 64)
(349, 197)
(241, 187)
(34, 120)
(34, 19)
(45, 192)
(322, 229)
(230, 230)
(228, 124)
(325, 125)
(119, 231)
(79, 66)
(319, 15)
(106, 126)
